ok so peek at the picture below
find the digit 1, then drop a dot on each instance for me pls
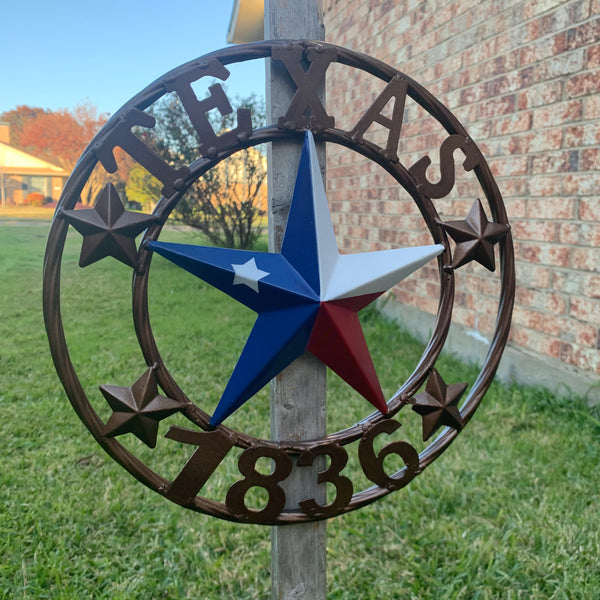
(212, 448)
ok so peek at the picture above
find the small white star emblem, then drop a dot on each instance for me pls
(248, 274)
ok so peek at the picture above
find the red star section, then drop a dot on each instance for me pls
(108, 229)
(438, 404)
(337, 340)
(475, 238)
(138, 409)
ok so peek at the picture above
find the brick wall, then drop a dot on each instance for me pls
(523, 77)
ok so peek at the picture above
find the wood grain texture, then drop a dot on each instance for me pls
(298, 394)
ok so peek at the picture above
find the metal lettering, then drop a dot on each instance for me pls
(197, 110)
(447, 168)
(342, 484)
(213, 447)
(122, 136)
(396, 89)
(235, 499)
(372, 464)
(307, 85)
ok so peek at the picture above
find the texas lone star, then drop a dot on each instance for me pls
(307, 297)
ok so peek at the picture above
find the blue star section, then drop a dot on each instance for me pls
(306, 297)
(281, 288)
(278, 338)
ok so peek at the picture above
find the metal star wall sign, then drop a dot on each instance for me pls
(138, 409)
(307, 297)
(108, 229)
(475, 237)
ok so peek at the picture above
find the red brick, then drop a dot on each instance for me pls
(589, 209)
(585, 258)
(584, 34)
(586, 309)
(590, 159)
(587, 134)
(568, 282)
(533, 9)
(555, 162)
(496, 106)
(545, 93)
(550, 185)
(544, 231)
(551, 208)
(533, 275)
(583, 84)
(546, 301)
(563, 64)
(587, 359)
(557, 114)
(591, 285)
(516, 122)
(593, 57)
(584, 184)
(590, 235)
(543, 48)
(513, 190)
(538, 141)
(568, 233)
(551, 255)
(592, 107)
(505, 167)
(523, 78)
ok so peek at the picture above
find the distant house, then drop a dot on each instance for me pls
(22, 173)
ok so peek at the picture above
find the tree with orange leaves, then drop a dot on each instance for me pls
(60, 137)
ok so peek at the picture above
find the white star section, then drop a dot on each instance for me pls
(248, 274)
(344, 276)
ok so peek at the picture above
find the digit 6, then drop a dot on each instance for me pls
(372, 464)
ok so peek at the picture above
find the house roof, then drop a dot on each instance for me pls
(18, 162)
(247, 22)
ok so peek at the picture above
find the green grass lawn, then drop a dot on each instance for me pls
(510, 511)
(35, 213)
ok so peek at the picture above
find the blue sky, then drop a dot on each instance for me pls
(59, 54)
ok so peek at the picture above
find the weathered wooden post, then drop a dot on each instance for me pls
(298, 406)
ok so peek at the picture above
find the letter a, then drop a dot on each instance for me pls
(397, 89)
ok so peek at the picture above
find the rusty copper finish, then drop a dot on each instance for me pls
(110, 231)
(475, 238)
(138, 409)
(438, 404)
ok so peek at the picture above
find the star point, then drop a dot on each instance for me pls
(108, 229)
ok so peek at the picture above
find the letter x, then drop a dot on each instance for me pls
(307, 84)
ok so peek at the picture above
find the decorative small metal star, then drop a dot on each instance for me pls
(438, 404)
(475, 237)
(108, 229)
(138, 409)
